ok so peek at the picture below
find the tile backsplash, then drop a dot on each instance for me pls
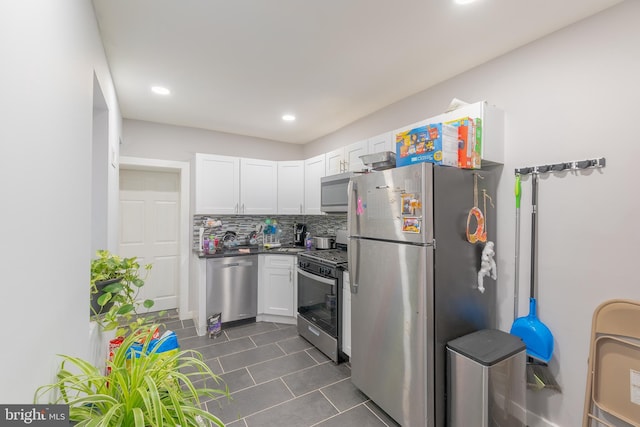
(317, 225)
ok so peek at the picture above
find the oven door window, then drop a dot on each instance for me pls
(317, 301)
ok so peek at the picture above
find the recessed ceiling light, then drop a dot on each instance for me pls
(464, 1)
(288, 117)
(160, 90)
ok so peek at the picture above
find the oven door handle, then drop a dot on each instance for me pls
(317, 278)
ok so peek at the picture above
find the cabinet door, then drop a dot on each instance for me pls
(334, 161)
(382, 142)
(258, 187)
(346, 314)
(290, 187)
(314, 169)
(352, 153)
(278, 285)
(217, 183)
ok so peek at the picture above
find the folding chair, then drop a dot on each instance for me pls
(613, 381)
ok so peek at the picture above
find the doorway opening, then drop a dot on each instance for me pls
(154, 226)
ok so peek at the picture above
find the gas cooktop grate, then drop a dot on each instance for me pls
(333, 256)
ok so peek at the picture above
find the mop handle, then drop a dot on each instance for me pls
(534, 217)
(518, 193)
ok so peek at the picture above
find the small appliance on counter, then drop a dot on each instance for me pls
(299, 234)
(324, 242)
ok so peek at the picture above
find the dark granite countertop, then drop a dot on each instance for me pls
(253, 250)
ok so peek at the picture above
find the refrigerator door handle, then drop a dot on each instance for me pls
(352, 190)
(353, 265)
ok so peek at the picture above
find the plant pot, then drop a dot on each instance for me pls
(95, 307)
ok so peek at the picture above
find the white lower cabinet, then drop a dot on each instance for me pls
(346, 314)
(277, 288)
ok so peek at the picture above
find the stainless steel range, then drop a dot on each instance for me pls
(319, 297)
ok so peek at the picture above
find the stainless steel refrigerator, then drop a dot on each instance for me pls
(414, 280)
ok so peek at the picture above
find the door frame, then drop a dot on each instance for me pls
(182, 168)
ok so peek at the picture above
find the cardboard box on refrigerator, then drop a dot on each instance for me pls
(469, 142)
(433, 143)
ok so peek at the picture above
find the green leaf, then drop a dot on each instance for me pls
(138, 417)
(114, 288)
(148, 303)
(104, 299)
(126, 308)
(110, 326)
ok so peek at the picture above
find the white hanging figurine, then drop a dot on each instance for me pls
(487, 265)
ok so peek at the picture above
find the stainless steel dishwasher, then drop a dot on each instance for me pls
(232, 287)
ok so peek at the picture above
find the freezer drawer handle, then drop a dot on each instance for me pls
(314, 331)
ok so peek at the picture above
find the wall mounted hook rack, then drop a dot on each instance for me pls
(559, 167)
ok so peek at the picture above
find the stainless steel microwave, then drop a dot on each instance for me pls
(333, 192)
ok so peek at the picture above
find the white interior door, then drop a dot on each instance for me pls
(149, 230)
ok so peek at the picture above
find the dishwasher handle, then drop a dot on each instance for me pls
(235, 264)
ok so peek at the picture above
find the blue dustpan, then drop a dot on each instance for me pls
(535, 334)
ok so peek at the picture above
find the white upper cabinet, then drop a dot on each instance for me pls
(352, 153)
(334, 162)
(291, 187)
(314, 169)
(225, 185)
(217, 184)
(346, 159)
(258, 187)
(382, 142)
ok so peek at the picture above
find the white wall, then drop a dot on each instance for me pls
(569, 96)
(167, 142)
(49, 52)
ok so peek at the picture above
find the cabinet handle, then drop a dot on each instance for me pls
(290, 278)
(300, 207)
(235, 210)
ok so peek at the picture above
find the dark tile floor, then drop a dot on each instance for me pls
(277, 378)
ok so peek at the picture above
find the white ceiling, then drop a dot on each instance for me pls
(238, 65)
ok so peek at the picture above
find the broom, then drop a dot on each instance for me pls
(538, 374)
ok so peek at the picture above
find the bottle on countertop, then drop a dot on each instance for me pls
(205, 245)
(212, 244)
(307, 241)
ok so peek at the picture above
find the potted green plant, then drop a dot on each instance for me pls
(142, 386)
(114, 287)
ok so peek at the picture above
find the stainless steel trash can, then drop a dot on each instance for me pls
(486, 380)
